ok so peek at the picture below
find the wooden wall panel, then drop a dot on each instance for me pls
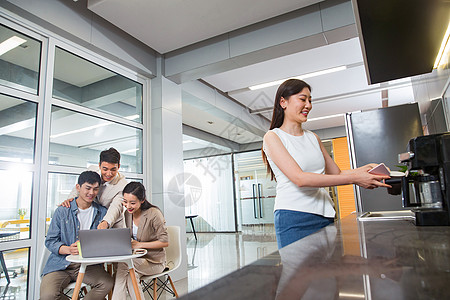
(345, 193)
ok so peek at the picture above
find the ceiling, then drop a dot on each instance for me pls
(169, 25)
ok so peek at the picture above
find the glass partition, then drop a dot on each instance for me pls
(77, 139)
(17, 129)
(59, 187)
(19, 60)
(255, 193)
(80, 81)
(14, 280)
(208, 192)
(16, 186)
(94, 104)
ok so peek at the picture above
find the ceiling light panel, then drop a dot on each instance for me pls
(11, 43)
(304, 76)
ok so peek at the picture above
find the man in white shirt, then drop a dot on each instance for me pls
(111, 187)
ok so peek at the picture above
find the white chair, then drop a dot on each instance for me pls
(173, 258)
(71, 286)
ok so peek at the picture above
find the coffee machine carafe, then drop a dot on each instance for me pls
(426, 186)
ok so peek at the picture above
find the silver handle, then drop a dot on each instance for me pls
(402, 157)
(259, 200)
(255, 211)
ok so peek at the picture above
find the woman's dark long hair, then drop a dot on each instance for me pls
(138, 190)
(285, 90)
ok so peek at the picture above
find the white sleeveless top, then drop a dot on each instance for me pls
(306, 152)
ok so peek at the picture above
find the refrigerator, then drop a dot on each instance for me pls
(377, 136)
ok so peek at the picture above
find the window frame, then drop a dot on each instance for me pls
(43, 98)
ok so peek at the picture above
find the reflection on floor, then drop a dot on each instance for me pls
(211, 257)
(215, 255)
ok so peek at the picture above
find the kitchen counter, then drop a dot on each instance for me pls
(389, 259)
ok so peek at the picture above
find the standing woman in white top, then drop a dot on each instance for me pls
(148, 231)
(298, 161)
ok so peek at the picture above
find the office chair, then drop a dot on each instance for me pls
(173, 258)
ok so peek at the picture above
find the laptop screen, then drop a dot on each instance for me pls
(105, 242)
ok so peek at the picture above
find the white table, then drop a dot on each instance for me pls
(104, 259)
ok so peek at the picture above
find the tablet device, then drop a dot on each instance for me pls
(105, 242)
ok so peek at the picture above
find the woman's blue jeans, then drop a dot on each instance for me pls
(290, 225)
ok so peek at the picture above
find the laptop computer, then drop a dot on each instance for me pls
(105, 242)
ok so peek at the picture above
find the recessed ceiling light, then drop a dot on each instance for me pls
(10, 44)
(304, 76)
(132, 117)
(80, 130)
(130, 151)
(325, 117)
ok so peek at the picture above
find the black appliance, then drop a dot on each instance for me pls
(376, 136)
(426, 186)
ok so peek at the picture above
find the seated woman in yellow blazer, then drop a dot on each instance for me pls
(148, 231)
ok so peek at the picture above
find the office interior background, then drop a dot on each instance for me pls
(174, 87)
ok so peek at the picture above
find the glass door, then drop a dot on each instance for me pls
(255, 192)
(208, 192)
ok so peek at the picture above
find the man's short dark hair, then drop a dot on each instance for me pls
(111, 156)
(90, 177)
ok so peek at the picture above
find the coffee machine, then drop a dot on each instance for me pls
(426, 186)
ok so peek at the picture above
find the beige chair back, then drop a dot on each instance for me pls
(173, 251)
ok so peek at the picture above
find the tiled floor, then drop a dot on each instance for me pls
(211, 257)
(215, 255)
